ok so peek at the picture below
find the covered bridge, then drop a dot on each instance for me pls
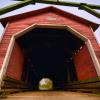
(49, 43)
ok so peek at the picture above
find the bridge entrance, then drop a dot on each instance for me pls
(48, 53)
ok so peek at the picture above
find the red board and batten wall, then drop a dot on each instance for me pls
(84, 64)
(16, 63)
(43, 16)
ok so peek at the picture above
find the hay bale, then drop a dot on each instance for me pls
(45, 84)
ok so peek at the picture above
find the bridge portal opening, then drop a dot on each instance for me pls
(48, 53)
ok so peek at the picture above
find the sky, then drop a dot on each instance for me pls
(73, 10)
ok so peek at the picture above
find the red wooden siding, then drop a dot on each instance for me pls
(84, 65)
(21, 24)
(15, 66)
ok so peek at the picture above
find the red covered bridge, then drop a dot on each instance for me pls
(49, 43)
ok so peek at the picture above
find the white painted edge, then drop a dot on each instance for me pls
(73, 31)
(22, 32)
(76, 33)
(95, 36)
(94, 58)
(6, 59)
(4, 32)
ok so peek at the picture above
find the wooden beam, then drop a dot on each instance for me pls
(15, 6)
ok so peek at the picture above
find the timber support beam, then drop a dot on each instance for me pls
(90, 8)
(83, 6)
(15, 6)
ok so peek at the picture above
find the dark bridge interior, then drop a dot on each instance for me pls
(48, 54)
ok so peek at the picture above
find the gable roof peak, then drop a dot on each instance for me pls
(45, 10)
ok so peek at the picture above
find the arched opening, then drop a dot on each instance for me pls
(48, 53)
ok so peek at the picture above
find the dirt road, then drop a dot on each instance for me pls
(52, 95)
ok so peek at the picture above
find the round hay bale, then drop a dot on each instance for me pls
(45, 84)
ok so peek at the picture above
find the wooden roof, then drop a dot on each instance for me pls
(47, 9)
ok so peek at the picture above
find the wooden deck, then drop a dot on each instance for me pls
(52, 95)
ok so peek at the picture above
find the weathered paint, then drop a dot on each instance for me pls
(47, 18)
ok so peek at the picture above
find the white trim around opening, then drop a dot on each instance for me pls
(73, 31)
